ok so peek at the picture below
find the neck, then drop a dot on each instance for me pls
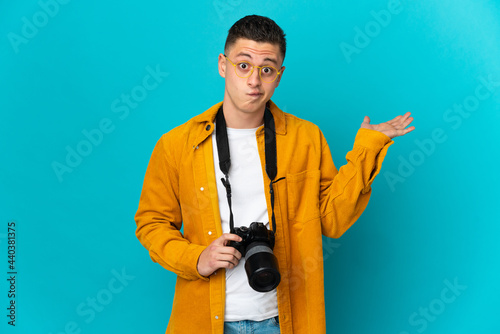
(244, 122)
(237, 119)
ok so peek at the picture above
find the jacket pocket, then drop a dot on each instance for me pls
(303, 195)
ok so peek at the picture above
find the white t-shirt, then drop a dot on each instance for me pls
(249, 205)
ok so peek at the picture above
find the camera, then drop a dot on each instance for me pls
(261, 265)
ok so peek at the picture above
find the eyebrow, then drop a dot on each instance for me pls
(265, 59)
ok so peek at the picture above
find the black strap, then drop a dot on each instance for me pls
(222, 142)
(270, 152)
(225, 158)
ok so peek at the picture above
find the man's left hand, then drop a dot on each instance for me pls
(393, 128)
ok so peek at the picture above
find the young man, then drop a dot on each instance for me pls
(307, 198)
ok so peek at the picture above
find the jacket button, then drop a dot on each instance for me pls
(202, 188)
(209, 232)
(208, 127)
(216, 317)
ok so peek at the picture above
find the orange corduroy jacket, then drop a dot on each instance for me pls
(312, 199)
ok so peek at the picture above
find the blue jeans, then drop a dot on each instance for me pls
(268, 326)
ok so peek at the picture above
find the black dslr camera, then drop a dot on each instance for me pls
(261, 265)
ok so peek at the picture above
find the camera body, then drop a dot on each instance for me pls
(256, 232)
(261, 265)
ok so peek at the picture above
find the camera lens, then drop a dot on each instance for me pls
(261, 267)
(264, 277)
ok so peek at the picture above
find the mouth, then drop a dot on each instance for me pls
(255, 94)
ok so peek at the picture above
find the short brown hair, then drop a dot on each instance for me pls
(257, 28)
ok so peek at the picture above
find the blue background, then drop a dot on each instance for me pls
(432, 219)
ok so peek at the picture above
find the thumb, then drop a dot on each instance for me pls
(366, 120)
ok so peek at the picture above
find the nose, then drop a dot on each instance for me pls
(254, 79)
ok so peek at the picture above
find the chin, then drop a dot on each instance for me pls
(253, 106)
(251, 109)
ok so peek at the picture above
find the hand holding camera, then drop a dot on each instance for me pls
(217, 255)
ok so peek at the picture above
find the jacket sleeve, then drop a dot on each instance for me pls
(159, 217)
(344, 193)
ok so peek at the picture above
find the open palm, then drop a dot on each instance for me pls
(393, 128)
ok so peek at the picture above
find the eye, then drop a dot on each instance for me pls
(268, 71)
(244, 66)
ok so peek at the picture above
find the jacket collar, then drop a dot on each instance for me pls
(279, 116)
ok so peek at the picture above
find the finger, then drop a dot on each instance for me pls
(366, 120)
(404, 118)
(410, 129)
(230, 237)
(224, 238)
(395, 121)
(228, 250)
(225, 263)
(399, 119)
(402, 132)
(405, 123)
(228, 258)
(218, 257)
(233, 251)
(228, 265)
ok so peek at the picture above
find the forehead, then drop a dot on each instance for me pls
(257, 51)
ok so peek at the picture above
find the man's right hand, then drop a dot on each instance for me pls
(217, 255)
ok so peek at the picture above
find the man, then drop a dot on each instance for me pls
(307, 198)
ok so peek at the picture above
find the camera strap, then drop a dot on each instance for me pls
(225, 158)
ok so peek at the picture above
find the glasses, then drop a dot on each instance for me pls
(244, 69)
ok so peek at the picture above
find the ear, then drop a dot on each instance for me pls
(279, 77)
(222, 65)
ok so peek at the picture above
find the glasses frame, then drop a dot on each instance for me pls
(253, 67)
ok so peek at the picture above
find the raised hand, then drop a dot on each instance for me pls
(393, 128)
(217, 255)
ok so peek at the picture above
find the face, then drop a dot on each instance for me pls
(249, 95)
